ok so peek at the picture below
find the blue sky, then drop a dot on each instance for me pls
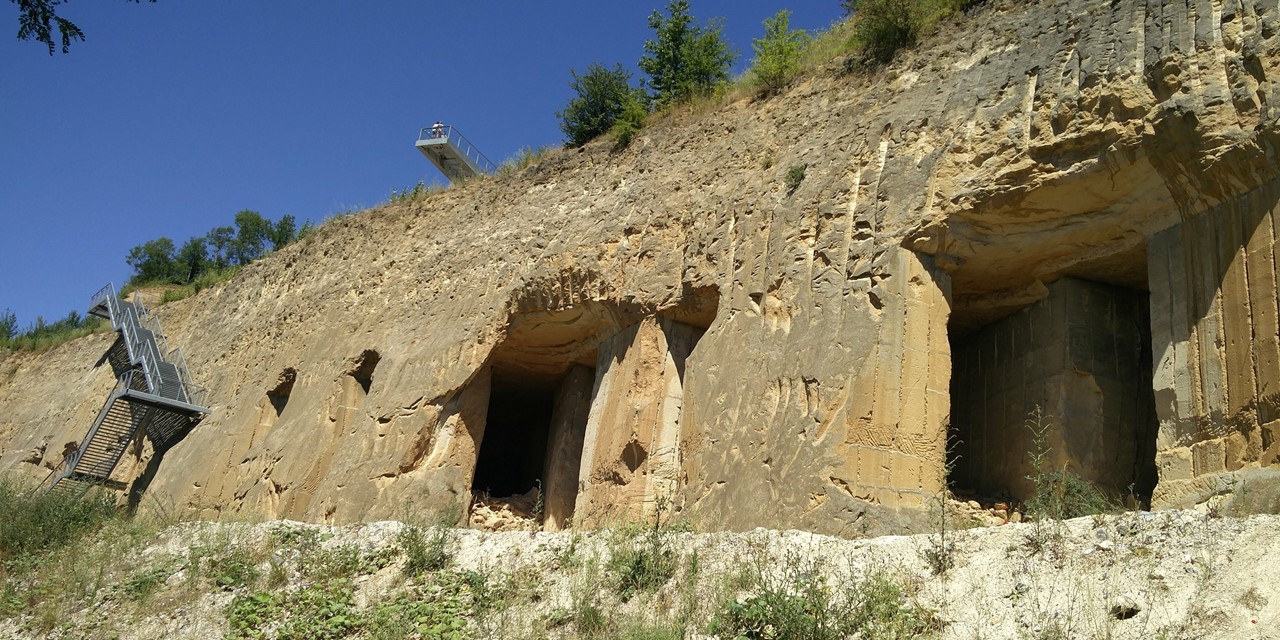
(173, 116)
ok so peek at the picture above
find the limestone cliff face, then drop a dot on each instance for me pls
(668, 324)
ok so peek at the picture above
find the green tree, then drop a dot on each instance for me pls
(193, 258)
(153, 260)
(38, 18)
(684, 59)
(252, 234)
(603, 95)
(220, 241)
(8, 326)
(778, 52)
(284, 231)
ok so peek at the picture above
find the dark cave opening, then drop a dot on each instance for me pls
(1081, 357)
(513, 451)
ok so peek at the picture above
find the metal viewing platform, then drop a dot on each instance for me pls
(452, 154)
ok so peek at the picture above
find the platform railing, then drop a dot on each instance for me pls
(449, 133)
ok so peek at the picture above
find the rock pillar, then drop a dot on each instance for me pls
(564, 446)
(630, 457)
(1215, 327)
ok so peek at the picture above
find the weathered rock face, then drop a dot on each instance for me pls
(757, 356)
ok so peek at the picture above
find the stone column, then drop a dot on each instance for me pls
(630, 457)
(1216, 345)
(564, 446)
(900, 403)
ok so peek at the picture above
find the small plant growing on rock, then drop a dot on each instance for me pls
(1059, 493)
(795, 175)
(940, 552)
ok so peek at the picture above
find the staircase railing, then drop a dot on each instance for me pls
(72, 457)
(149, 353)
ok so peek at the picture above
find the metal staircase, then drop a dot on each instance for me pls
(153, 396)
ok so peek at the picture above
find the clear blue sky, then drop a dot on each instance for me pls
(172, 116)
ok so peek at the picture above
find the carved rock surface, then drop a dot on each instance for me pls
(800, 344)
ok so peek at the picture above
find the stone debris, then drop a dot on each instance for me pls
(513, 513)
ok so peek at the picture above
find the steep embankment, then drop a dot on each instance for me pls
(759, 356)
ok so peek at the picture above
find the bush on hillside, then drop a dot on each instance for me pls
(32, 523)
(883, 27)
(252, 237)
(42, 335)
(630, 121)
(8, 326)
(778, 53)
(602, 97)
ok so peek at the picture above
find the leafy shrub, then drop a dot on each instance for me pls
(797, 602)
(641, 561)
(249, 614)
(226, 564)
(881, 611)
(778, 53)
(34, 523)
(603, 98)
(8, 326)
(345, 561)
(321, 611)
(883, 27)
(41, 335)
(795, 175)
(437, 614)
(252, 237)
(206, 279)
(630, 121)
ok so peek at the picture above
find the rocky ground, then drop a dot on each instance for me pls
(1167, 574)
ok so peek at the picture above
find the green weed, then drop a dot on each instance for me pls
(642, 558)
(33, 523)
(792, 598)
(425, 548)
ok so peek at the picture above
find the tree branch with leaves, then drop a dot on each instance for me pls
(37, 20)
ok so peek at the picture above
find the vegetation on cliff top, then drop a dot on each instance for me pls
(687, 64)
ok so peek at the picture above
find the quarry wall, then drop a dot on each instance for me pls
(757, 356)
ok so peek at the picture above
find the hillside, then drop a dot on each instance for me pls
(1067, 205)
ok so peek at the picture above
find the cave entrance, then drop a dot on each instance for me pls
(1081, 354)
(612, 370)
(527, 465)
(516, 428)
(541, 379)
